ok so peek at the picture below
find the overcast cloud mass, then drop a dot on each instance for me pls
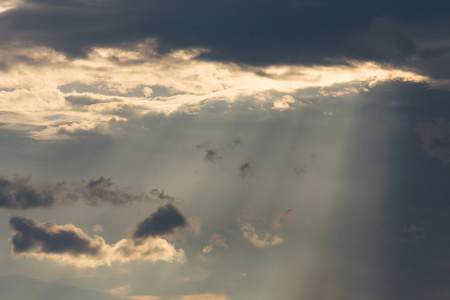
(222, 150)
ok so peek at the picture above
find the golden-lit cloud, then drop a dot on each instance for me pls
(151, 249)
(208, 296)
(260, 238)
(142, 298)
(216, 240)
(204, 297)
(255, 230)
(44, 87)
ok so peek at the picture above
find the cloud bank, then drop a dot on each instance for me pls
(69, 244)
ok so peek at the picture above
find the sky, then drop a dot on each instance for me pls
(224, 150)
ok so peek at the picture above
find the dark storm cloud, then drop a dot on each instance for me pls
(435, 137)
(32, 236)
(162, 222)
(18, 193)
(250, 32)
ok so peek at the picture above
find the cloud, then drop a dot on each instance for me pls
(162, 222)
(143, 298)
(67, 241)
(102, 189)
(252, 228)
(312, 33)
(151, 249)
(246, 167)
(121, 291)
(411, 233)
(284, 102)
(236, 141)
(18, 193)
(259, 238)
(207, 296)
(161, 195)
(401, 233)
(69, 244)
(62, 95)
(97, 228)
(204, 297)
(215, 240)
(299, 169)
(211, 155)
(435, 137)
(281, 217)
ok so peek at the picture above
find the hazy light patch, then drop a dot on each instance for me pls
(97, 228)
(9, 4)
(121, 291)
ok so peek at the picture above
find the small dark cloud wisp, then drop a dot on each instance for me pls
(211, 155)
(246, 167)
(103, 189)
